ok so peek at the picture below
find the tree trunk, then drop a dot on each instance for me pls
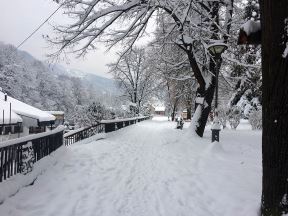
(189, 108)
(275, 108)
(204, 91)
(207, 93)
(173, 113)
(206, 108)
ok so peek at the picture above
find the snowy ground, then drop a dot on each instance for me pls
(149, 169)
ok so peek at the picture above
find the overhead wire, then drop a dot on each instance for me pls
(29, 36)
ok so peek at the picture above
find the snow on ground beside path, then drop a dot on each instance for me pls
(149, 169)
(15, 183)
(160, 118)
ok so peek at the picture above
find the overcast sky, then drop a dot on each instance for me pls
(18, 18)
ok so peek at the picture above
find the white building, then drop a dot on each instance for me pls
(59, 117)
(20, 119)
(160, 110)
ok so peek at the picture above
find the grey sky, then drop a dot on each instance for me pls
(18, 18)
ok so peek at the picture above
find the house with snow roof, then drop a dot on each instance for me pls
(59, 117)
(20, 119)
(160, 110)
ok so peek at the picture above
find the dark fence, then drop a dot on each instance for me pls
(19, 155)
(105, 126)
(83, 133)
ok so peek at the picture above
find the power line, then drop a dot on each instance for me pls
(39, 27)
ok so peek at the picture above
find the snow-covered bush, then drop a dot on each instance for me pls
(256, 120)
(91, 114)
(222, 116)
(96, 112)
(234, 115)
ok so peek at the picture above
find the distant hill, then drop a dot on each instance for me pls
(98, 83)
(50, 87)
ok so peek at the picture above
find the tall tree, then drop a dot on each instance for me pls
(134, 77)
(126, 21)
(274, 24)
(176, 76)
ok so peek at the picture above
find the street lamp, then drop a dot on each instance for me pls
(216, 49)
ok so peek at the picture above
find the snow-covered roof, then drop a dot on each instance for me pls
(23, 109)
(132, 104)
(56, 112)
(124, 107)
(5, 107)
(251, 27)
(159, 109)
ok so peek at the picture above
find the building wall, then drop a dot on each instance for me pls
(184, 115)
(160, 113)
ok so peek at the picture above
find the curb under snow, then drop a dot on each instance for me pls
(11, 186)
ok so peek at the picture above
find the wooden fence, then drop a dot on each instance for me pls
(19, 155)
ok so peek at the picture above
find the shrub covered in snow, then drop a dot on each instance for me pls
(87, 115)
(222, 116)
(256, 120)
(91, 114)
(234, 115)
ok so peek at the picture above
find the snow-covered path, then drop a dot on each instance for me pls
(148, 169)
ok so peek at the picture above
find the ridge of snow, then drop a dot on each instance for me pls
(160, 108)
(285, 53)
(31, 137)
(251, 27)
(56, 112)
(194, 121)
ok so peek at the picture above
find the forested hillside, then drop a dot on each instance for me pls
(50, 87)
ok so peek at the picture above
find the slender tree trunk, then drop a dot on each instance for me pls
(206, 91)
(173, 113)
(135, 102)
(208, 95)
(275, 108)
(189, 112)
(203, 92)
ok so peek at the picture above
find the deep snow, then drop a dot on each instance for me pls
(149, 169)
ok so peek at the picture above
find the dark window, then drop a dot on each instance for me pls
(18, 129)
(36, 129)
(7, 130)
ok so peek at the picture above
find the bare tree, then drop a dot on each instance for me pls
(125, 21)
(172, 67)
(134, 77)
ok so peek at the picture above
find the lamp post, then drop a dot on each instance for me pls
(216, 50)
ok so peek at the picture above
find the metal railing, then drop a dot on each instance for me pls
(83, 133)
(19, 155)
(105, 126)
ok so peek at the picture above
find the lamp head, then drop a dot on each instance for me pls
(216, 49)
